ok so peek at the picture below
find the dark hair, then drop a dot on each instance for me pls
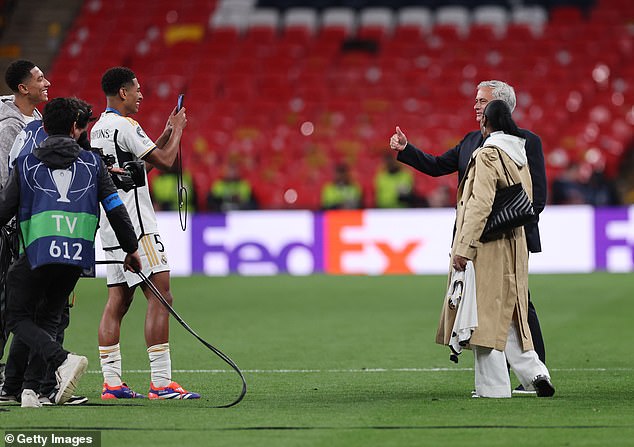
(61, 113)
(498, 116)
(115, 78)
(18, 72)
(84, 113)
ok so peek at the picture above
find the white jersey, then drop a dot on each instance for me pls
(123, 137)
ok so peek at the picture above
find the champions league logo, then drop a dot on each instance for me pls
(62, 179)
(65, 185)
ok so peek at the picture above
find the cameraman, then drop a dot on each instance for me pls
(58, 177)
(27, 140)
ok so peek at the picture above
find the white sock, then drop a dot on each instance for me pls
(110, 357)
(160, 364)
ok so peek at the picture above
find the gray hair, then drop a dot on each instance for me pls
(501, 90)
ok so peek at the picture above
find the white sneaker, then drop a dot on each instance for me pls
(30, 399)
(68, 375)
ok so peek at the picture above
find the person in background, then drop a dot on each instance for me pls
(601, 190)
(165, 191)
(342, 192)
(568, 187)
(231, 192)
(30, 88)
(394, 187)
(441, 197)
(457, 159)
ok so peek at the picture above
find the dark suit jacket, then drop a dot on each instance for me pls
(457, 159)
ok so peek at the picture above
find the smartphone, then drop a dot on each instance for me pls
(179, 104)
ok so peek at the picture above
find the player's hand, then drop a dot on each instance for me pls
(177, 120)
(132, 262)
(398, 140)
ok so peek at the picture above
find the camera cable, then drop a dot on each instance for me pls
(224, 357)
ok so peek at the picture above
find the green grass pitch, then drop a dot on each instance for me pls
(350, 361)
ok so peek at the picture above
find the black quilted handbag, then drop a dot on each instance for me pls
(511, 208)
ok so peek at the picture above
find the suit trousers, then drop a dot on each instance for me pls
(536, 330)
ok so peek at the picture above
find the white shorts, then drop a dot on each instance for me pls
(153, 260)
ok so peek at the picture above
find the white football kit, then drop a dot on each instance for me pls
(124, 138)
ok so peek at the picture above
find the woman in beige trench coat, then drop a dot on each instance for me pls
(501, 266)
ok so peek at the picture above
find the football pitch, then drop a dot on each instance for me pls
(350, 361)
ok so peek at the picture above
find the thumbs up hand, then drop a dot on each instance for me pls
(398, 140)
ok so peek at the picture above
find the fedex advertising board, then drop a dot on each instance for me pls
(614, 239)
(567, 242)
(257, 243)
(376, 242)
(575, 239)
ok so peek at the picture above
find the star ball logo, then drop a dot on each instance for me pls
(65, 185)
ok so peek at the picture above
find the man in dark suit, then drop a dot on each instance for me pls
(457, 159)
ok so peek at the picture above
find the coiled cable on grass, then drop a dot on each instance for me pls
(182, 322)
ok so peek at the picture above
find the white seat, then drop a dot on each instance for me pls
(264, 17)
(490, 15)
(415, 16)
(239, 6)
(493, 16)
(383, 17)
(453, 15)
(228, 19)
(301, 17)
(232, 14)
(339, 17)
(533, 16)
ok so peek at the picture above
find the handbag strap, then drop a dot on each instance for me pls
(506, 171)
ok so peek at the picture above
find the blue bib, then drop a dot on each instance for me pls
(59, 211)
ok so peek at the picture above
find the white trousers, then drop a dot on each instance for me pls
(491, 374)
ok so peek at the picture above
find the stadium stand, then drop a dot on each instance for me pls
(287, 89)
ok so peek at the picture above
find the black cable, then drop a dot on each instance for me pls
(181, 189)
(182, 322)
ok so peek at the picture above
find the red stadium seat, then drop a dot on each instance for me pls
(255, 77)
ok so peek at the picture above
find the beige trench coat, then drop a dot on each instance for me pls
(501, 266)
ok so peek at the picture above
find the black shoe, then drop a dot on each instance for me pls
(73, 400)
(543, 387)
(8, 398)
(76, 400)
